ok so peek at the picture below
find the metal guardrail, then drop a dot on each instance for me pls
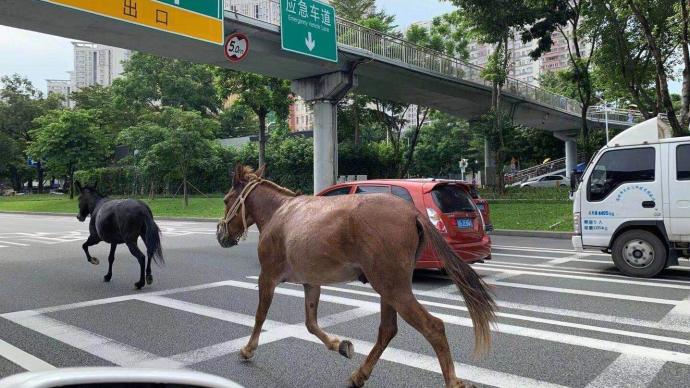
(396, 49)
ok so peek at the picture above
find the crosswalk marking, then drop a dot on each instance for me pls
(23, 359)
(628, 371)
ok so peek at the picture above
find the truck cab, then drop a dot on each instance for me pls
(633, 200)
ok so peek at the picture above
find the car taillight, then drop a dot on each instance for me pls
(436, 220)
(577, 227)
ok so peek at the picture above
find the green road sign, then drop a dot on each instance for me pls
(308, 28)
(212, 8)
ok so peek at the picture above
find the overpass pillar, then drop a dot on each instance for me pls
(489, 178)
(324, 92)
(570, 156)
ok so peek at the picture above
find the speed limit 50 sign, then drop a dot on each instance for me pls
(236, 47)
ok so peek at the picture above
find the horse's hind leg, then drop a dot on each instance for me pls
(433, 330)
(311, 306)
(111, 259)
(92, 240)
(149, 275)
(136, 252)
(267, 286)
(387, 330)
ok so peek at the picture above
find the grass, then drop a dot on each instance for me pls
(199, 207)
(521, 214)
(556, 216)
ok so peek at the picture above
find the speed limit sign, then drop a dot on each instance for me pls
(236, 47)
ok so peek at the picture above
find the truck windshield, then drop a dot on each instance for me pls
(451, 199)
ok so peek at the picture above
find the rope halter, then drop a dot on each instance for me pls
(238, 206)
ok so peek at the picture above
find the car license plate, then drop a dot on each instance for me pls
(464, 223)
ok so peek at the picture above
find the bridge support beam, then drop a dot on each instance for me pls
(570, 156)
(570, 139)
(324, 92)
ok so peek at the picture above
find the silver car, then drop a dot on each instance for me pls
(547, 181)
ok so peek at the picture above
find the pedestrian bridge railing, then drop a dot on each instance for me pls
(394, 49)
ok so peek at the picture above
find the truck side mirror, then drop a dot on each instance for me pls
(574, 180)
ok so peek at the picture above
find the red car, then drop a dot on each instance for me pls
(448, 204)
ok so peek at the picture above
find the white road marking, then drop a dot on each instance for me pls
(596, 294)
(103, 347)
(14, 243)
(450, 293)
(679, 316)
(546, 250)
(568, 339)
(23, 359)
(573, 275)
(582, 271)
(549, 258)
(628, 371)
(465, 372)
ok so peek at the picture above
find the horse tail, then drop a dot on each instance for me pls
(474, 290)
(152, 239)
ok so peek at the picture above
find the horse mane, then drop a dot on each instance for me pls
(249, 175)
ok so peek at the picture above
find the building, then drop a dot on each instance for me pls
(522, 66)
(62, 88)
(96, 64)
(301, 116)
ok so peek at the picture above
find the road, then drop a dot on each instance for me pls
(564, 320)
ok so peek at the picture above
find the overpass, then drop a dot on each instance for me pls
(379, 65)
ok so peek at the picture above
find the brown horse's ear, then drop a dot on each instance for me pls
(78, 186)
(261, 172)
(238, 175)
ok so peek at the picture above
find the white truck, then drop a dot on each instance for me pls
(633, 200)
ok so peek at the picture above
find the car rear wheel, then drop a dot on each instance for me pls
(639, 253)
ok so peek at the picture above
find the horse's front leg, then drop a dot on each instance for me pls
(311, 306)
(267, 285)
(92, 240)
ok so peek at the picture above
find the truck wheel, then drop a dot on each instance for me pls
(639, 253)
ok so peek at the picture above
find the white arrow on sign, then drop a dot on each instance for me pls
(311, 43)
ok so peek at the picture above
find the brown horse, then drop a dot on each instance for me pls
(321, 240)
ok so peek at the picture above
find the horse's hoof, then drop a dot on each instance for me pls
(457, 383)
(139, 285)
(107, 278)
(356, 380)
(149, 279)
(246, 355)
(346, 349)
(94, 261)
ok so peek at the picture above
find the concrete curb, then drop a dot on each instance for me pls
(74, 215)
(533, 233)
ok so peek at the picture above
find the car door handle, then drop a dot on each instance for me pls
(648, 204)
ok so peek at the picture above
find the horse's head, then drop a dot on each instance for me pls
(237, 219)
(88, 197)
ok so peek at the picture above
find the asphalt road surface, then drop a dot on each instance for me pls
(564, 320)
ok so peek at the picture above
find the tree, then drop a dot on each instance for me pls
(149, 82)
(68, 140)
(238, 120)
(494, 22)
(262, 94)
(100, 101)
(624, 66)
(352, 10)
(656, 18)
(20, 104)
(186, 144)
(139, 140)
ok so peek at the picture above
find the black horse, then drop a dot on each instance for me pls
(120, 222)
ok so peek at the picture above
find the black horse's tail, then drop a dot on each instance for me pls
(152, 239)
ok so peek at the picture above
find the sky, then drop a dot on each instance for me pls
(40, 57)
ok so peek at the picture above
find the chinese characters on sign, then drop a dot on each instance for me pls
(198, 19)
(308, 28)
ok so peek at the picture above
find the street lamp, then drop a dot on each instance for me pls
(606, 115)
